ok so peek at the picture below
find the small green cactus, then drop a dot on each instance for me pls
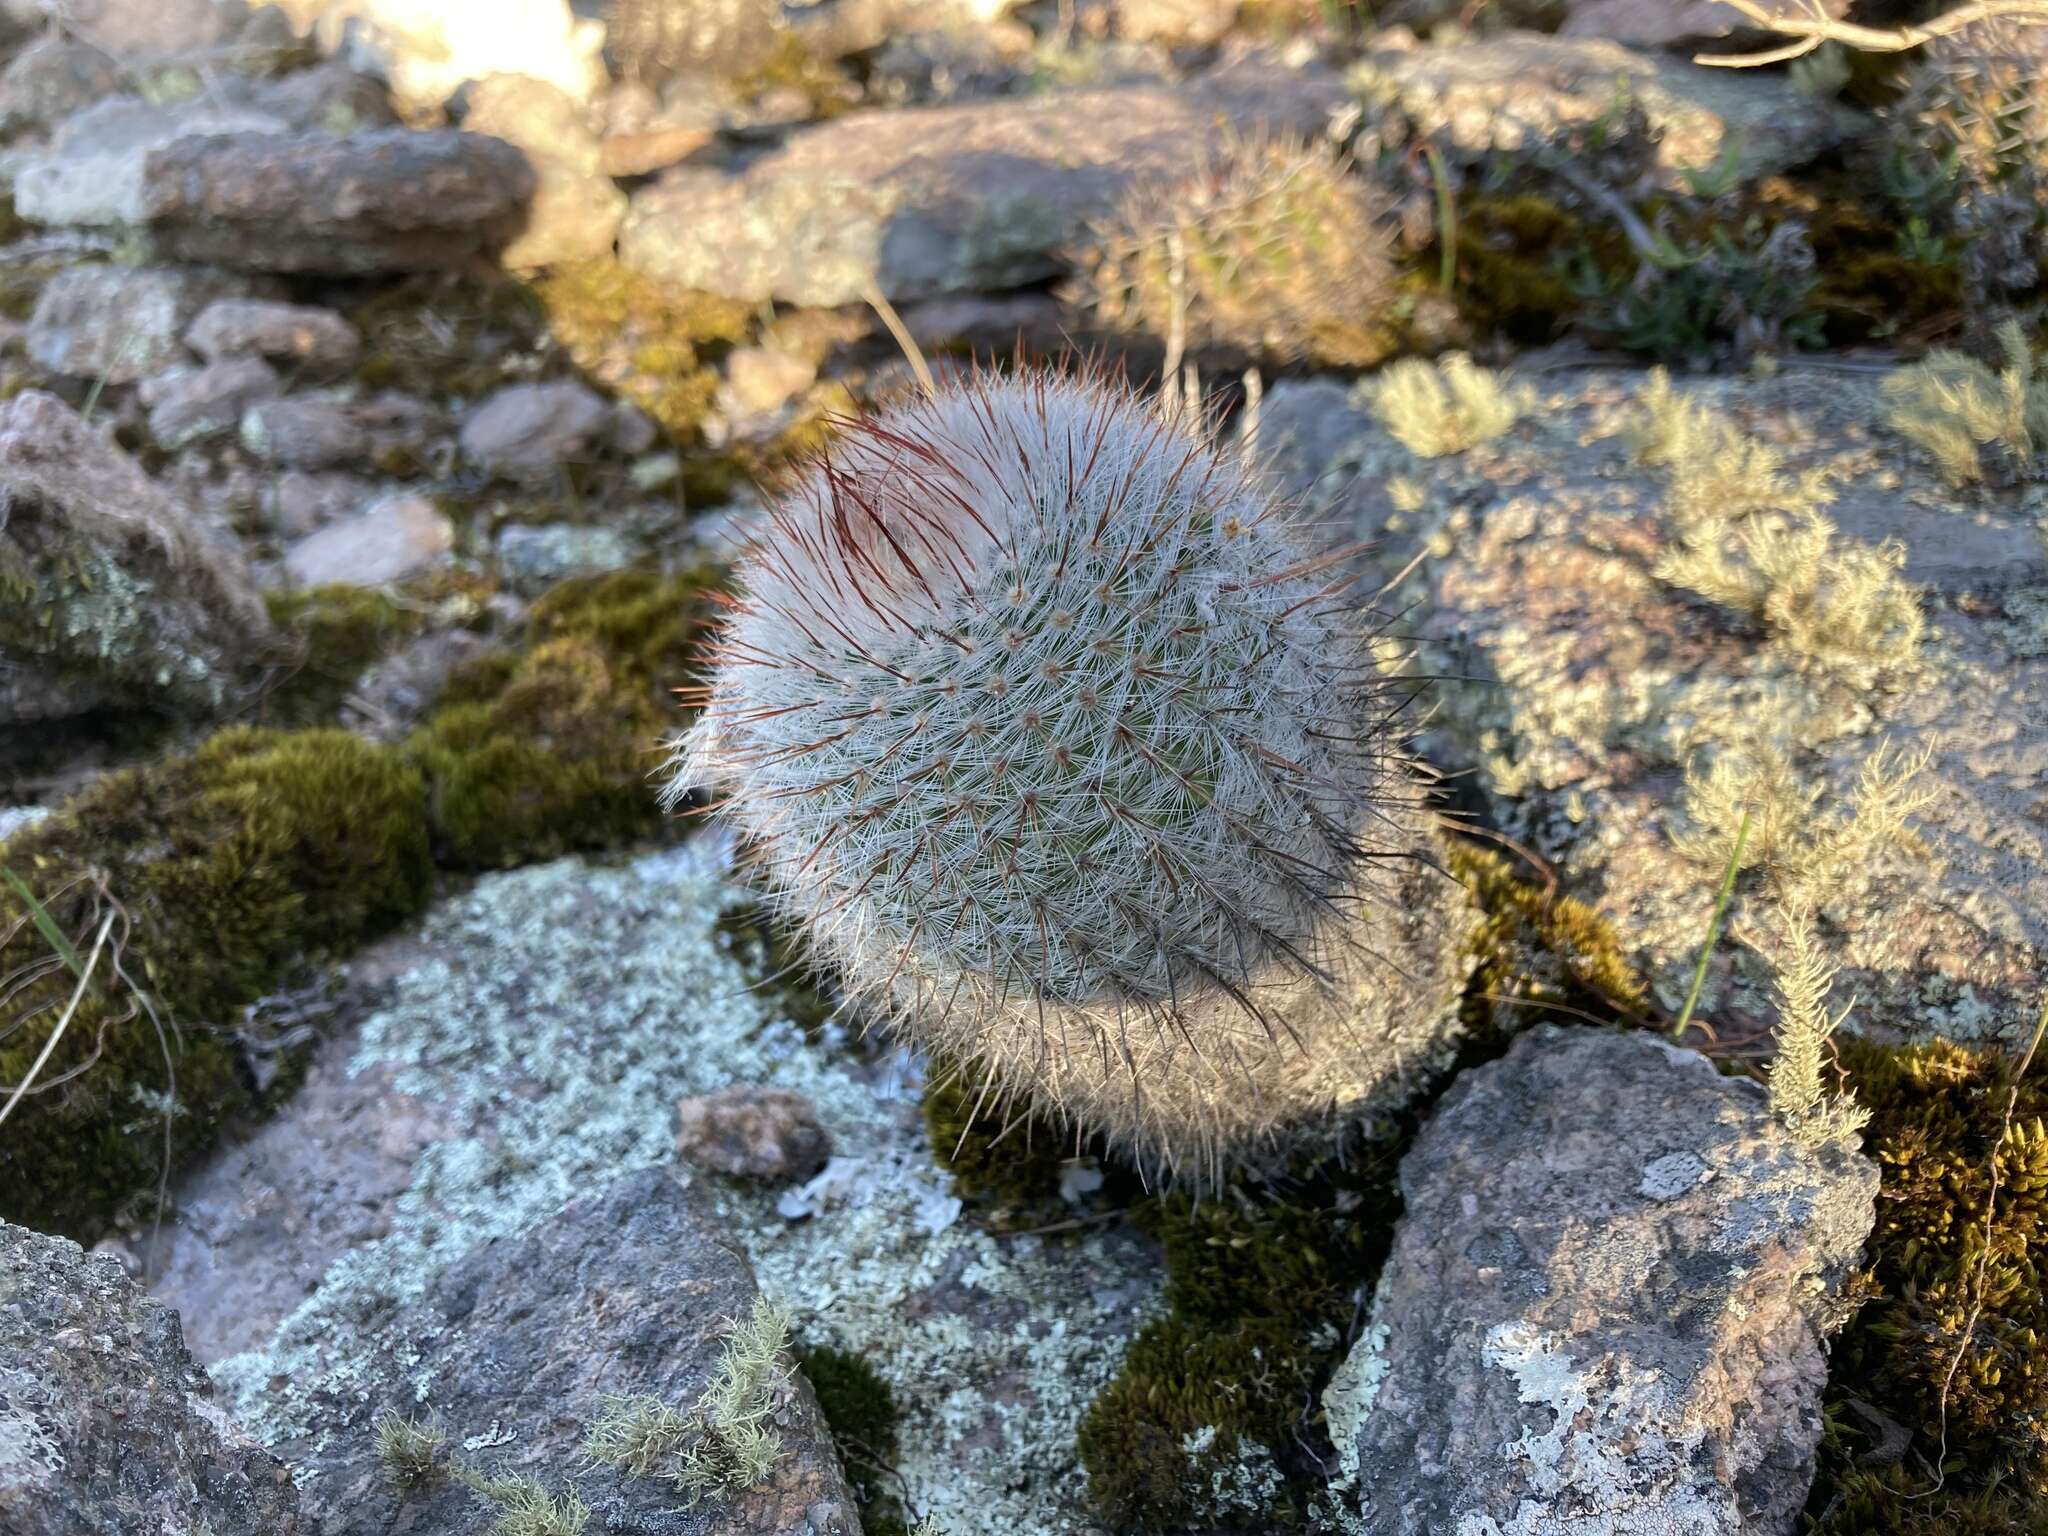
(1055, 741)
(1272, 250)
(1974, 120)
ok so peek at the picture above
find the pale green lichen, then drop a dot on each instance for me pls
(559, 1013)
(1435, 409)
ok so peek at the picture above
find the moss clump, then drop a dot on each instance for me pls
(1937, 1129)
(995, 1155)
(222, 867)
(446, 336)
(649, 343)
(861, 1413)
(764, 948)
(1260, 1289)
(538, 752)
(1513, 256)
(339, 632)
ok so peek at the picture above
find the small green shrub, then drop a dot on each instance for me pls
(1975, 423)
(408, 1449)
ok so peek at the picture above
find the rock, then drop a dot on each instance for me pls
(1681, 24)
(298, 335)
(1604, 1309)
(550, 1017)
(396, 694)
(110, 1426)
(939, 200)
(187, 405)
(762, 380)
(52, 78)
(527, 431)
(383, 200)
(428, 49)
(150, 28)
(1588, 686)
(128, 604)
(533, 557)
(752, 1132)
(96, 169)
(399, 536)
(17, 818)
(1177, 23)
(1520, 90)
(119, 324)
(297, 502)
(575, 211)
(306, 432)
(645, 132)
(656, 42)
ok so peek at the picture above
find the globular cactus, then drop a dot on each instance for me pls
(1272, 250)
(655, 40)
(1067, 756)
(1975, 118)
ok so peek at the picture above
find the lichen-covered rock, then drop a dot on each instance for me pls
(1583, 685)
(1521, 90)
(952, 199)
(118, 324)
(550, 1017)
(626, 1291)
(300, 336)
(533, 557)
(108, 1427)
(109, 593)
(375, 201)
(311, 431)
(52, 78)
(575, 211)
(751, 1132)
(187, 405)
(528, 431)
(1604, 1307)
(399, 536)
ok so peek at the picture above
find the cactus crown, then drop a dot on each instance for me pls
(1035, 708)
(1271, 248)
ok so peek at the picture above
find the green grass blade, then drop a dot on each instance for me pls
(1699, 974)
(46, 925)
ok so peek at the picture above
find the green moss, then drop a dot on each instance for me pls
(1937, 1115)
(1261, 1287)
(1513, 254)
(550, 749)
(652, 344)
(997, 1155)
(447, 336)
(765, 948)
(338, 633)
(223, 867)
(862, 1415)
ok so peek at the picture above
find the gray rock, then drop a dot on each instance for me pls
(96, 169)
(396, 694)
(1520, 90)
(287, 334)
(306, 432)
(1604, 1306)
(628, 1291)
(382, 200)
(1587, 686)
(753, 1132)
(575, 211)
(152, 28)
(299, 501)
(119, 324)
(129, 603)
(1682, 24)
(50, 79)
(399, 536)
(533, 557)
(1177, 23)
(18, 818)
(940, 200)
(188, 405)
(108, 1427)
(527, 431)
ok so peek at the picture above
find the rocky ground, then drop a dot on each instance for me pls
(383, 385)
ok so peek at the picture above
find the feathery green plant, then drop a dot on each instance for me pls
(1437, 409)
(1799, 1091)
(1975, 423)
(408, 1447)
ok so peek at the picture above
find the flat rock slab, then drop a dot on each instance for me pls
(627, 1291)
(110, 593)
(1580, 686)
(1602, 1310)
(1520, 90)
(108, 1427)
(957, 199)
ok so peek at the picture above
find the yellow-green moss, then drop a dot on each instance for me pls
(447, 336)
(1936, 1115)
(1513, 252)
(338, 633)
(227, 864)
(651, 344)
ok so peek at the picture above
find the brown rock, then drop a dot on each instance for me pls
(753, 1132)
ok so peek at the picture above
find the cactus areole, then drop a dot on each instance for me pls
(1057, 743)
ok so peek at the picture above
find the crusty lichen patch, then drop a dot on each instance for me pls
(562, 1011)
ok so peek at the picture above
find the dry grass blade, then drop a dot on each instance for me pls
(1699, 974)
(64, 1022)
(1811, 31)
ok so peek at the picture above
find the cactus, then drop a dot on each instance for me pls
(1052, 739)
(1974, 119)
(1272, 250)
(656, 40)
